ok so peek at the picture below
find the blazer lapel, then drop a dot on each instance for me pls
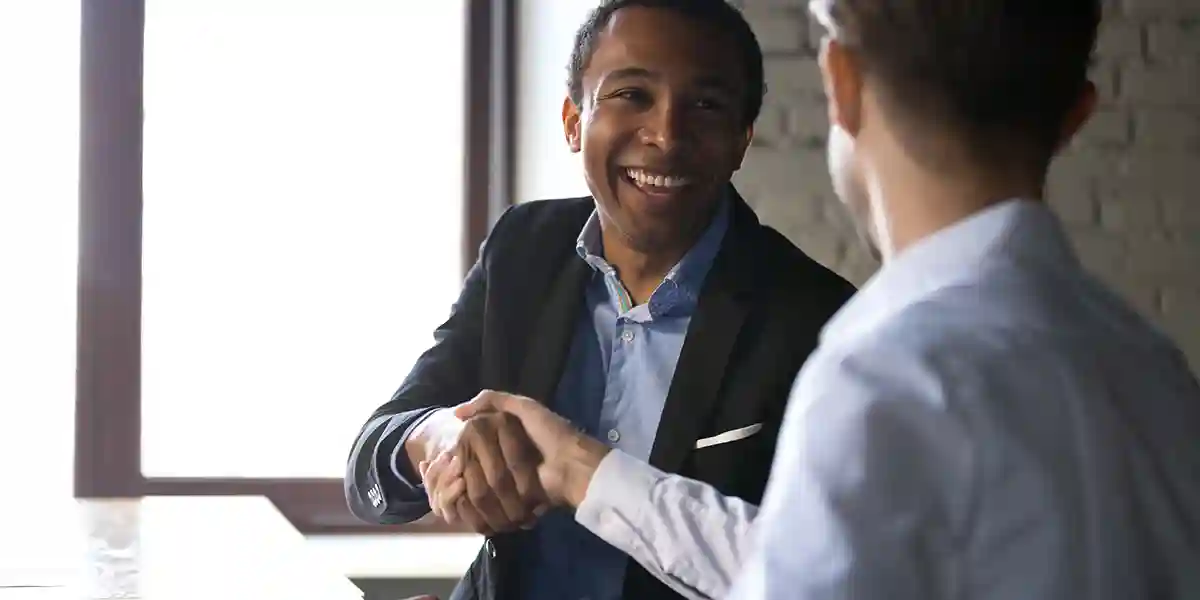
(711, 337)
(549, 342)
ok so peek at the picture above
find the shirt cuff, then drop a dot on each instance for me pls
(618, 495)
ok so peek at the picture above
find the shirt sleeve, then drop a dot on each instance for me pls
(870, 488)
(682, 531)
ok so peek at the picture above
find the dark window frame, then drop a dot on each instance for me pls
(108, 395)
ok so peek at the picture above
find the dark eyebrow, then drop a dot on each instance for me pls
(630, 73)
(718, 84)
(710, 82)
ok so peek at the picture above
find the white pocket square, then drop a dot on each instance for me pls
(732, 435)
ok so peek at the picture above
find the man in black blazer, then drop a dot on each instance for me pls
(657, 314)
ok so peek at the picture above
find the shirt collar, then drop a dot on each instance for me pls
(683, 282)
(1017, 230)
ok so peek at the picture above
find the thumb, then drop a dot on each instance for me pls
(485, 401)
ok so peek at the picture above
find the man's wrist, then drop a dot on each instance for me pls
(580, 461)
(434, 434)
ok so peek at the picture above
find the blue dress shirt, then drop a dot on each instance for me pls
(619, 370)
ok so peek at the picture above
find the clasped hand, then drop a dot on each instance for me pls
(513, 460)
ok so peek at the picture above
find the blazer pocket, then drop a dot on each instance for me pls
(732, 435)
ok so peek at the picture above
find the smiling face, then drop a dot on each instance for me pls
(661, 125)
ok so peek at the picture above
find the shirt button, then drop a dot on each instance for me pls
(627, 336)
(614, 435)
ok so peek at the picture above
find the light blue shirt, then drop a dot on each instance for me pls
(618, 373)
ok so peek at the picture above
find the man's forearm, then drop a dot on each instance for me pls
(684, 532)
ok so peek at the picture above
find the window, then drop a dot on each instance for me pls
(302, 220)
(275, 217)
(545, 167)
(39, 157)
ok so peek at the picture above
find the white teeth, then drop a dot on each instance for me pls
(643, 178)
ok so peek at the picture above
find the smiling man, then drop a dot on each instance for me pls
(657, 314)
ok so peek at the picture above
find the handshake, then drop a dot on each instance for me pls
(499, 461)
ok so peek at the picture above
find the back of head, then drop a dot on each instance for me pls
(1002, 76)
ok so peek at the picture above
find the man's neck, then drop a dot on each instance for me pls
(910, 204)
(642, 271)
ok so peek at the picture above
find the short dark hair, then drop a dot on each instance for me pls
(1002, 73)
(714, 12)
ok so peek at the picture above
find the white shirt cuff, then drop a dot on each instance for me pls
(618, 495)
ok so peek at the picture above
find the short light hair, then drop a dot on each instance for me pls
(1000, 74)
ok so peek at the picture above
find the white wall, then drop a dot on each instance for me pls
(545, 167)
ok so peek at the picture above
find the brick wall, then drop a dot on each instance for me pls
(1127, 188)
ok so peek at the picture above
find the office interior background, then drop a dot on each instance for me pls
(222, 260)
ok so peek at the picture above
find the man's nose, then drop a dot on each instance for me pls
(664, 127)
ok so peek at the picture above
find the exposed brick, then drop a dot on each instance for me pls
(1074, 202)
(1174, 41)
(1183, 301)
(1145, 298)
(1130, 214)
(823, 245)
(780, 176)
(1181, 214)
(1161, 173)
(857, 266)
(793, 213)
(770, 130)
(1175, 85)
(1119, 40)
(1107, 79)
(1160, 8)
(808, 124)
(778, 30)
(1164, 261)
(1100, 250)
(1071, 185)
(1167, 130)
(1108, 128)
(792, 75)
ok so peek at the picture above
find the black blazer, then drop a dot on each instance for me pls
(759, 314)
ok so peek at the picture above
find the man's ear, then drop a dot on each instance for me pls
(1079, 115)
(745, 145)
(842, 79)
(571, 129)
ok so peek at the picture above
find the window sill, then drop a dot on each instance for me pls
(400, 556)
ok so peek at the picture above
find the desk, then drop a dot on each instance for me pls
(164, 548)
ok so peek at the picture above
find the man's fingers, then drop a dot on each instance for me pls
(451, 493)
(522, 459)
(467, 514)
(492, 401)
(436, 475)
(443, 468)
(484, 497)
(484, 401)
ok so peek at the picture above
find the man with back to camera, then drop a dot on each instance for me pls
(984, 420)
(657, 314)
